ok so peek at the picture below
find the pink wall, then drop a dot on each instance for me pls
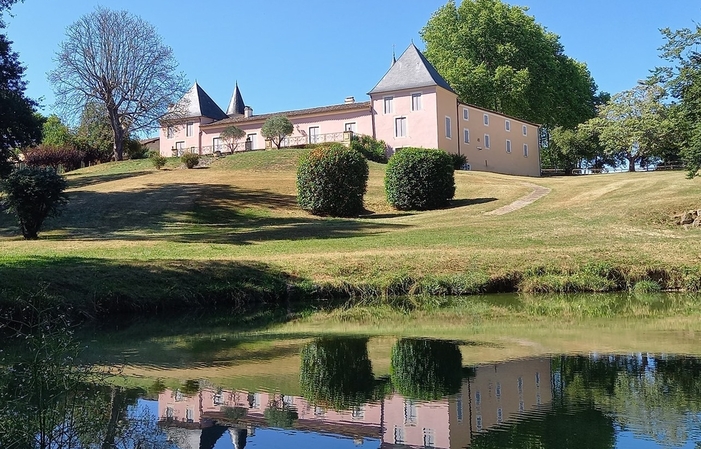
(420, 125)
(180, 134)
(408, 422)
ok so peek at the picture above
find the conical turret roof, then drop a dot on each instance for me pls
(412, 70)
(196, 103)
(236, 105)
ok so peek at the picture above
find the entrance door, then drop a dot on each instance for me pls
(313, 134)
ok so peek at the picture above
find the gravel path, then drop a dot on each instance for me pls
(537, 193)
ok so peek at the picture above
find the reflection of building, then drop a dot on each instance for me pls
(497, 394)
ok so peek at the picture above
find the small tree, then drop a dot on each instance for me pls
(33, 194)
(371, 148)
(420, 179)
(276, 128)
(231, 136)
(190, 159)
(332, 180)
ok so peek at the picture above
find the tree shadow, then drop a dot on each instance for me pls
(89, 180)
(469, 202)
(189, 213)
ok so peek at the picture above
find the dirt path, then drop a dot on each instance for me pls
(537, 193)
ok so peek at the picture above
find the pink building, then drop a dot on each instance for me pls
(411, 106)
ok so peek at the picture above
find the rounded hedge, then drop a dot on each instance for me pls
(419, 179)
(332, 180)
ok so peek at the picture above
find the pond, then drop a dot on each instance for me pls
(202, 382)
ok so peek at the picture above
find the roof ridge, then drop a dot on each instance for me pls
(411, 70)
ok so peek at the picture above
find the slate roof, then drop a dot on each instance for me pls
(412, 70)
(196, 103)
(236, 105)
(295, 113)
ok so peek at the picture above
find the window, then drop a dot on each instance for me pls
(319, 411)
(398, 435)
(500, 415)
(525, 130)
(448, 128)
(170, 132)
(252, 138)
(465, 114)
(466, 134)
(486, 120)
(188, 129)
(487, 142)
(409, 412)
(389, 105)
(478, 398)
(458, 405)
(498, 390)
(478, 420)
(537, 379)
(508, 146)
(170, 412)
(216, 144)
(415, 102)
(313, 134)
(519, 384)
(429, 438)
(358, 412)
(507, 125)
(400, 127)
(180, 146)
(351, 126)
(190, 415)
(525, 150)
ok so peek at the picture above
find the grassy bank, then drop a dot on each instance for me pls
(136, 239)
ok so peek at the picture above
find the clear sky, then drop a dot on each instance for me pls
(306, 53)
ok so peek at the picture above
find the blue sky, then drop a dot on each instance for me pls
(296, 54)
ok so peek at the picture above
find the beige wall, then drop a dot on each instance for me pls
(446, 107)
(495, 158)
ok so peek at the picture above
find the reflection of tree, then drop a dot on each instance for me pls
(426, 369)
(280, 415)
(336, 372)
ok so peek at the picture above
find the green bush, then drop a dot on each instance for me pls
(372, 149)
(32, 194)
(190, 159)
(647, 286)
(426, 369)
(420, 179)
(134, 149)
(332, 180)
(158, 161)
(458, 161)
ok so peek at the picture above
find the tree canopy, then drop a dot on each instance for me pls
(276, 128)
(118, 60)
(231, 136)
(496, 56)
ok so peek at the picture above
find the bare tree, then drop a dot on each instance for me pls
(119, 60)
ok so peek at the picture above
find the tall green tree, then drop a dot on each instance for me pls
(574, 148)
(496, 56)
(683, 81)
(55, 133)
(94, 132)
(634, 126)
(19, 126)
(276, 128)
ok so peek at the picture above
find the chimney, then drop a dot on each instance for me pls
(350, 100)
(247, 111)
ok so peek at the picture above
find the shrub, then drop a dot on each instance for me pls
(190, 159)
(332, 180)
(68, 157)
(458, 161)
(372, 149)
(158, 160)
(647, 286)
(33, 194)
(134, 149)
(419, 178)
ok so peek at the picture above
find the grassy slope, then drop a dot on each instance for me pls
(129, 228)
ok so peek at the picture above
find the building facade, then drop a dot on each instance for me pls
(411, 106)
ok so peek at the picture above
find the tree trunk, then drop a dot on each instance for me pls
(118, 133)
(631, 163)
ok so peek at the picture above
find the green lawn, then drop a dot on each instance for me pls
(132, 232)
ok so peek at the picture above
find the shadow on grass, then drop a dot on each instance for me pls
(89, 180)
(189, 213)
(469, 202)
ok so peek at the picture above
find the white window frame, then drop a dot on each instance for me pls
(388, 105)
(416, 105)
(189, 129)
(448, 127)
(466, 135)
(314, 135)
(254, 140)
(524, 129)
(216, 144)
(508, 146)
(507, 125)
(485, 120)
(525, 150)
(170, 132)
(465, 114)
(397, 120)
(350, 126)
(487, 141)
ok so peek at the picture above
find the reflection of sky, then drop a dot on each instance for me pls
(271, 438)
(628, 440)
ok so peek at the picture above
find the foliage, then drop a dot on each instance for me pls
(134, 149)
(280, 415)
(276, 128)
(190, 159)
(55, 134)
(332, 180)
(158, 160)
(419, 178)
(496, 56)
(336, 372)
(32, 194)
(117, 60)
(231, 136)
(683, 81)
(575, 148)
(66, 157)
(647, 286)
(458, 160)
(426, 369)
(633, 126)
(371, 148)
(19, 125)
(94, 134)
